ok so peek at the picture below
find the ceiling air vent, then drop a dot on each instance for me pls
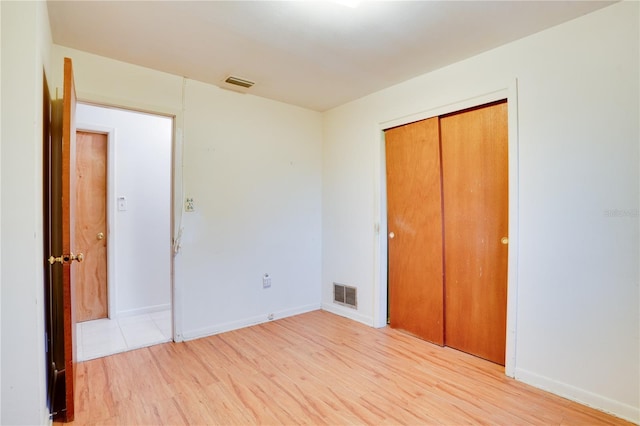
(345, 295)
(236, 81)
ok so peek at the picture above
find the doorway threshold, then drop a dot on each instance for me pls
(103, 337)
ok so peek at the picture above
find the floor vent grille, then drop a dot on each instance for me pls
(345, 295)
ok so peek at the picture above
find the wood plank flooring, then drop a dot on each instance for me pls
(316, 368)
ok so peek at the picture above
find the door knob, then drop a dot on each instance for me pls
(71, 257)
(100, 236)
(66, 258)
(504, 240)
(391, 235)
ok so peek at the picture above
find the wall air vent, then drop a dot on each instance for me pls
(345, 295)
(239, 82)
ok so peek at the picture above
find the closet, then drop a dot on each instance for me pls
(447, 213)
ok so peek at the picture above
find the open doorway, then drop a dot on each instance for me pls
(126, 228)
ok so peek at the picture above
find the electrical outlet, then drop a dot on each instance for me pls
(266, 281)
(188, 205)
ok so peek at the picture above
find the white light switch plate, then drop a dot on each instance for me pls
(122, 204)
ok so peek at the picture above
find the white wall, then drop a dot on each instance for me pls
(253, 167)
(1, 102)
(26, 40)
(139, 239)
(577, 279)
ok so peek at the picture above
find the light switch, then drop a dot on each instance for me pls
(122, 204)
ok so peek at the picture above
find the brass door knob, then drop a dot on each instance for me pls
(100, 236)
(504, 240)
(71, 257)
(392, 235)
(66, 258)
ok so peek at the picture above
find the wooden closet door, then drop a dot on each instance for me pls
(414, 215)
(475, 199)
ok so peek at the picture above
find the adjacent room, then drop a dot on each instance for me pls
(326, 212)
(123, 225)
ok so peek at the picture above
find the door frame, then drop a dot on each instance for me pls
(380, 285)
(177, 120)
(177, 187)
(110, 205)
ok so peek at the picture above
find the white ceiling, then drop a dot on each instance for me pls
(315, 54)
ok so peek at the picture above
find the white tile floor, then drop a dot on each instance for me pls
(98, 338)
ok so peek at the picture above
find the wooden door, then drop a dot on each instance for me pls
(52, 238)
(91, 225)
(414, 219)
(59, 171)
(68, 231)
(475, 199)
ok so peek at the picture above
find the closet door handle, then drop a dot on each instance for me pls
(392, 235)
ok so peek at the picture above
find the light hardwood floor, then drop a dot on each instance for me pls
(316, 368)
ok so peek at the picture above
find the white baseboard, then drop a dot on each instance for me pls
(246, 322)
(348, 313)
(581, 396)
(48, 419)
(144, 310)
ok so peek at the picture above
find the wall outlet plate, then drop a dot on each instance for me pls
(188, 205)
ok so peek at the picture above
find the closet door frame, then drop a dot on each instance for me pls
(510, 93)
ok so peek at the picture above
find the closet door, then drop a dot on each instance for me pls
(475, 200)
(414, 214)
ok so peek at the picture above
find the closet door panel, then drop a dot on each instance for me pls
(414, 209)
(475, 198)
